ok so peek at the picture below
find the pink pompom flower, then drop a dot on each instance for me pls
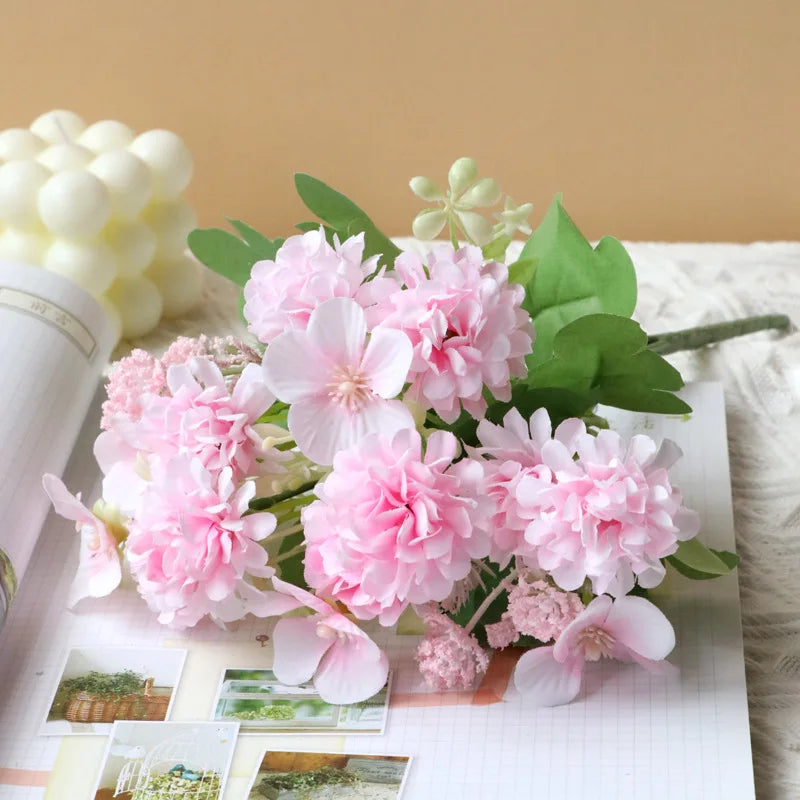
(610, 516)
(200, 417)
(510, 452)
(281, 294)
(340, 389)
(540, 610)
(191, 550)
(392, 527)
(628, 628)
(466, 324)
(448, 656)
(345, 664)
(99, 569)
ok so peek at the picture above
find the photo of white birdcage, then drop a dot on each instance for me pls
(167, 761)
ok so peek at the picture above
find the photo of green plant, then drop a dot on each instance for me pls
(262, 704)
(285, 775)
(98, 686)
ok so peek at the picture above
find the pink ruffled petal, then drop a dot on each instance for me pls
(298, 649)
(545, 681)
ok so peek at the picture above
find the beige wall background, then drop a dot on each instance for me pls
(659, 120)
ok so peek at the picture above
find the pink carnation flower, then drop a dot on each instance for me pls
(130, 380)
(190, 549)
(540, 610)
(628, 629)
(201, 418)
(392, 527)
(448, 656)
(281, 294)
(610, 516)
(467, 327)
(512, 451)
(345, 664)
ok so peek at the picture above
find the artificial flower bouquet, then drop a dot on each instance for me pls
(404, 434)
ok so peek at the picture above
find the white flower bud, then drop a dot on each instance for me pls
(477, 228)
(426, 189)
(428, 224)
(462, 174)
(486, 192)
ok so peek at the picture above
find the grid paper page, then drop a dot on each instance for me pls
(627, 735)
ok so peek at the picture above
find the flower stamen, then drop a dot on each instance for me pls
(348, 387)
(596, 643)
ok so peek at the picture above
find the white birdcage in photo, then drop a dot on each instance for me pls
(177, 767)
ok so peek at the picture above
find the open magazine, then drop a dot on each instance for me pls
(54, 342)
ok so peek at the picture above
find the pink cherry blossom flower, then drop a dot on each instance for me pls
(512, 451)
(191, 550)
(391, 527)
(99, 570)
(345, 664)
(448, 656)
(466, 324)
(628, 628)
(610, 516)
(131, 378)
(201, 418)
(307, 271)
(339, 389)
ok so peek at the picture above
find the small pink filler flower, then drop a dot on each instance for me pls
(99, 571)
(345, 664)
(339, 389)
(628, 628)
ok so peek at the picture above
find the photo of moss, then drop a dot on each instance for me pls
(283, 775)
(98, 686)
(262, 704)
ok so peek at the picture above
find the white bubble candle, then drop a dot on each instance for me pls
(101, 206)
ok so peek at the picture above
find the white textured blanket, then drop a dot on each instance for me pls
(681, 285)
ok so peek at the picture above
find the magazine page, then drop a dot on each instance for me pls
(54, 342)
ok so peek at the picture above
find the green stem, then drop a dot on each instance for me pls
(695, 338)
(289, 553)
(489, 599)
(263, 503)
(452, 228)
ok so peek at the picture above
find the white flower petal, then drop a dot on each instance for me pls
(426, 189)
(353, 670)
(486, 192)
(642, 628)
(281, 361)
(462, 174)
(386, 361)
(428, 224)
(337, 328)
(298, 649)
(478, 228)
(545, 681)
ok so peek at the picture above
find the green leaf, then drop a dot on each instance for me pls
(291, 569)
(261, 246)
(496, 249)
(522, 272)
(603, 358)
(223, 252)
(694, 560)
(344, 216)
(572, 279)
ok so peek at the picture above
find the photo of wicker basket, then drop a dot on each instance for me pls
(88, 707)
